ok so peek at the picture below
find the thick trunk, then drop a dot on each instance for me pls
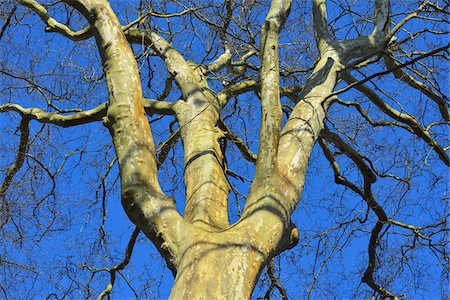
(218, 272)
(223, 265)
(227, 264)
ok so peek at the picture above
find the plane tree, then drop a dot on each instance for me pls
(200, 108)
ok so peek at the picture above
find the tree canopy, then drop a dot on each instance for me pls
(286, 149)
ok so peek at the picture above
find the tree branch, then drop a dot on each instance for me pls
(83, 117)
(53, 25)
(399, 73)
(366, 194)
(320, 24)
(412, 61)
(407, 119)
(14, 167)
(274, 282)
(271, 113)
(121, 265)
(238, 142)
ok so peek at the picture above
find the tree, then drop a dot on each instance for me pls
(391, 63)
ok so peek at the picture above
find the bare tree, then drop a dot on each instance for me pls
(371, 93)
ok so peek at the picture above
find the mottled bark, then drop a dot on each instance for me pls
(142, 198)
(223, 265)
(206, 185)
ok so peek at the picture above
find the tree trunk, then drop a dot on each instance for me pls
(222, 265)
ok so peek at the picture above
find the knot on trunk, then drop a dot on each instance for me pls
(294, 237)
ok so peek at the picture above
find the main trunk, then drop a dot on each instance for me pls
(222, 265)
(227, 264)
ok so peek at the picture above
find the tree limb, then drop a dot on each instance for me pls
(121, 265)
(408, 79)
(238, 142)
(271, 113)
(14, 167)
(407, 119)
(83, 117)
(55, 26)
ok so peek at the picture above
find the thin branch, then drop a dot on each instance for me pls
(238, 142)
(366, 116)
(121, 265)
(408, 79)
(366, 194)
(370, 270)
(165, 147)
(274, 282)
(55, 26)
(366, 79)
(15, 166)
(8, 20)
(414, 125)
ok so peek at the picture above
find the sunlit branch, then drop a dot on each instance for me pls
(224, 59)
(85, 33)
(239, 67)
(407, 119)
(292, 92)
(83, 117)
(176, 65)
(221, 62)
(153, 13)
(236, 89)
(405, 77)
(412, 15)
(41, 116)
(53, 25)
(271, 113)
(378, 74)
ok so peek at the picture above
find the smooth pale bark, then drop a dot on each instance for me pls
(223, 265)
(263, 209)
(142, 198)
(227, 264)
(206, 185)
